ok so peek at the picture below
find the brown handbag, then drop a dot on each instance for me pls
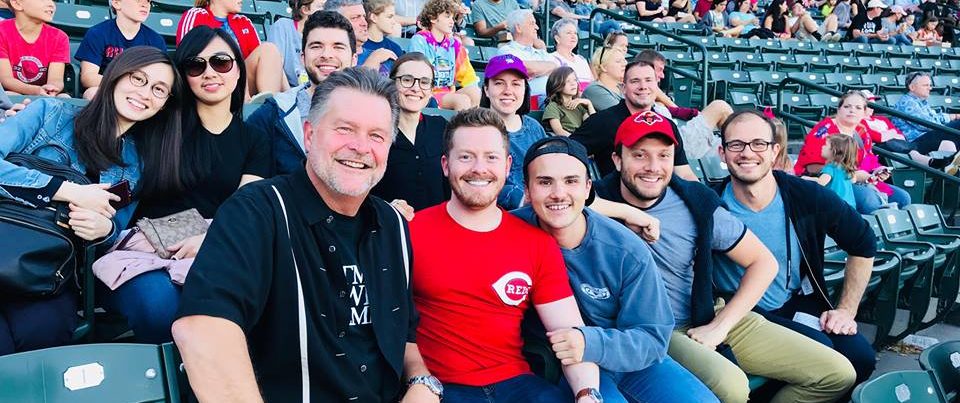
(167, 231)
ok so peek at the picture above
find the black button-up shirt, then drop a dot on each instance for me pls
(245, 273)
(413, 169)
(600, 129)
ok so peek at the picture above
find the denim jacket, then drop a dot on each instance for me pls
(47, 122)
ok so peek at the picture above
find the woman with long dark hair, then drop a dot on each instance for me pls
(414, 176)
(220, 154)
(128, 136)
(776, 18)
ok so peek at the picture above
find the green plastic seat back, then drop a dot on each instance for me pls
(899, 387)
(944, 360)
(100, 373)
(926, 217)
(896, 224)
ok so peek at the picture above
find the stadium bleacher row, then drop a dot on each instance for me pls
(917, 271)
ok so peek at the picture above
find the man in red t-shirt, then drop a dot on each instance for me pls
(476, 272)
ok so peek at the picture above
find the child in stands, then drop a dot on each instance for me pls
(840, 152)
(566, 110)
(33, 54)
(263, 60)
(108, 39)
(381, 22)
(455, 83)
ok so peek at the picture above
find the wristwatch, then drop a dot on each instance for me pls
(592, 393)
(430, 381)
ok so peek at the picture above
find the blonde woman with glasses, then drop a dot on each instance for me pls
(608, 65)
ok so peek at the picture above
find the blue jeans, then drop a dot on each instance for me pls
(864, 39)
(902, 39)
(35, 323)
(868, 198)
(149, 302)
(666, 381)
(527, 388)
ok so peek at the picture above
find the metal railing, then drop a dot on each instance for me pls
(877, 108)
(645, 26)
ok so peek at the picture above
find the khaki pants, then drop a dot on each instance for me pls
(812, 371)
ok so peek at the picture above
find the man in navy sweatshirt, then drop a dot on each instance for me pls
(791, 217)
(615, 281)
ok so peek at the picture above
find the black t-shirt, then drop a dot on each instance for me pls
(360, 343)
(865, 25)
(599, 130)
(245, 274)
(240, 150)
(413, 169)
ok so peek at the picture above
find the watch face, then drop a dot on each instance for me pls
(435, 384)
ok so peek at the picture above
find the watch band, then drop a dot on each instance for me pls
(591, 393)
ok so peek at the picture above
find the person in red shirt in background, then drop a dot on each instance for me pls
(477, 271)
(263, 60)
(33, 54)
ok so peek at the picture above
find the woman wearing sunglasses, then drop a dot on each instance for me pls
(414, 178)
(220, 154)
(129, 132)
(263, 60)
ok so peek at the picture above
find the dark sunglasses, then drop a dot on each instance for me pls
(195, 66)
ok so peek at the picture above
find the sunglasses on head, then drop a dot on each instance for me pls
(195, 66)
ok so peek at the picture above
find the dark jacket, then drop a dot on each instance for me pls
(280, 119)
(702, 204)
(815, 212)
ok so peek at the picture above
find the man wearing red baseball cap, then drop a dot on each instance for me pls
(640, 94)
(709, 331)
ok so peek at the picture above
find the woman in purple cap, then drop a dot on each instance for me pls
(507, 92)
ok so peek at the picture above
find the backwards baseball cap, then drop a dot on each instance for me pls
(500, 63)
(868, 95)
(558, 145)
(642, 124)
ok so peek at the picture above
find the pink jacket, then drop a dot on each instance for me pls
(137, 257)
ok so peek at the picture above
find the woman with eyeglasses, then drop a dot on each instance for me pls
(869, 190)
(414, 177)
(127, 137)
(219, 154)
(566, 38)
(608, 65)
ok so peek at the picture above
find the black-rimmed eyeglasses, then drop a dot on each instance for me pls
(408, 81)
(755, 145)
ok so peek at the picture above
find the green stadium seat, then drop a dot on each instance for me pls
(172, 6)
(714, 170)
(165, 24)
(75, 20)
(744, 101)
(785, 63)
(274, 9)
(752, 61)
(818, 64)
(731, 80)
(85, 373)
(943, 359)
(828, 101)
(915, 282)
(176, 374)
(684, 60)
(721, 61)
(927, 222)
(900, 387)
(769, 81)
(834, 49)
(951, 82)
(803, 48)
(696, 168)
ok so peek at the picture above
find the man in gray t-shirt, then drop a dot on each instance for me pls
(489, 16)
(694, 227)
(674, 251)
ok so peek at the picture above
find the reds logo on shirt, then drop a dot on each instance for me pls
(513, 287)
(648, 117)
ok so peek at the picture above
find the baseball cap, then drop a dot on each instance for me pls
(500, 63)
(558, 145)
(869, 95)
(898, 10)
(876, 4)
(641, 124)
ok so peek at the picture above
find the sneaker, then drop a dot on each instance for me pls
(831, 37)
(954, 166)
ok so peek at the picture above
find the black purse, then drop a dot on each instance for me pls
(38, 255)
